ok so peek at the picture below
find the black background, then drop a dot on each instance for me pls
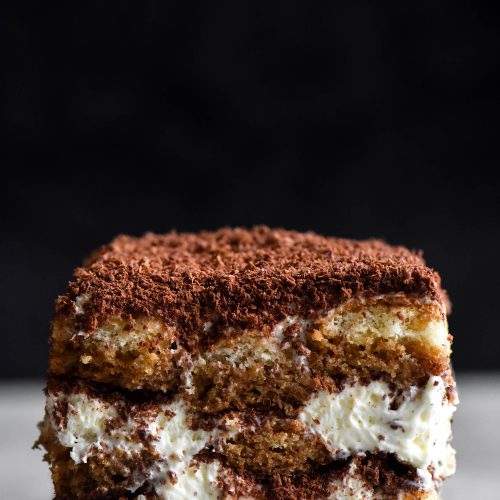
(349, 119)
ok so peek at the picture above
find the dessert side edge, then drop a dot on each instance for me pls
(250, 364)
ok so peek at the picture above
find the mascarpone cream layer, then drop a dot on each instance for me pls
(360, 418)
(416, 426)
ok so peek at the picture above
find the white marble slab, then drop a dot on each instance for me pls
(23, 475)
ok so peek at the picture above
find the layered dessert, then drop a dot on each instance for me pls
(250, 364)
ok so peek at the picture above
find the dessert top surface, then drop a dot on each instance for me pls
(237, 277)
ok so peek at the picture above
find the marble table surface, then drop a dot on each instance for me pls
(23, 475)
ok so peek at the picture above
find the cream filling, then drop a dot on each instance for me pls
(85, 423)
(195, 481)
(80, 302)
(203, 482)
(87, 431)
(360, 419)
(356, 420)
(351, 488)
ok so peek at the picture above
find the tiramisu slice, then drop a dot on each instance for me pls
(250, 364)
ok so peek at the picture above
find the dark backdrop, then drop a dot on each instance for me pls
(346, 118)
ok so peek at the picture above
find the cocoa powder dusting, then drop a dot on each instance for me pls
(236, 278)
